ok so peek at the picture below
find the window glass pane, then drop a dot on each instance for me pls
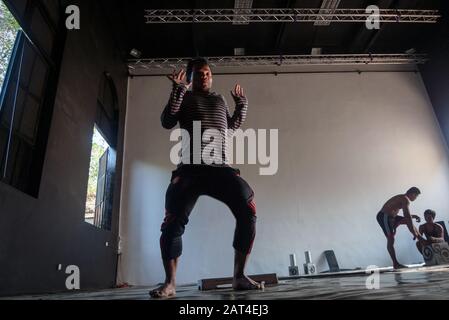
(29, 120)
(20, 105)
(27, 63)
(38, 77)
(8, 105)
(7, 108)
(8, 33)
(95, 188)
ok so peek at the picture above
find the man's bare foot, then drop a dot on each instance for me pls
(399, 266)
(165, 291)
(245, 283)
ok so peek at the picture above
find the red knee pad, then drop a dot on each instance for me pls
(252, 206)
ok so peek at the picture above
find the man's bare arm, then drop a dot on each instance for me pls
(408, 218)
(420, 230)
(169, 117)
(421, 234)
(241, 107)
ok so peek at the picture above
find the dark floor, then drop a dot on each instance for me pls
(414, 283)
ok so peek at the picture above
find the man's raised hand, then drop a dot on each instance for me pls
(179, 78)
(238, 92)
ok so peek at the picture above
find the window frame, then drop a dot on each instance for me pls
(53, 60)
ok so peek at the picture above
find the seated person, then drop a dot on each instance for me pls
(432, 231)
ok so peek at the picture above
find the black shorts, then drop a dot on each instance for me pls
(225, 184)
(388, 223)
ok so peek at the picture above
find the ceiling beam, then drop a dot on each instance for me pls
(142, 65)
(294, 15)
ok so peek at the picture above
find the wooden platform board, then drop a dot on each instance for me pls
(217, 283)
(422, 268)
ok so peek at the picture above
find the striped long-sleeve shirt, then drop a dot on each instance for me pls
(212, 110)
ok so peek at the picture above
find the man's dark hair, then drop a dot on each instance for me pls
(414, 190)
(431, 212)
(195, 63)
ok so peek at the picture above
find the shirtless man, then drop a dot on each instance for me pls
(389, 220)
(433, 231)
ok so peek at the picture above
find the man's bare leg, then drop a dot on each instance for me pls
(240, 281)
(168, 289)
(392, 252)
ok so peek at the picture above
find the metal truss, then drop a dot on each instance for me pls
(245, 16)
(139, 65)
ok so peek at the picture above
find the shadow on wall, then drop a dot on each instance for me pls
(146, 185)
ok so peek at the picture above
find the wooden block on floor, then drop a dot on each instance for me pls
(214, 283)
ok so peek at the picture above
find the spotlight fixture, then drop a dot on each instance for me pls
(239, 51)
(135, 53)
(316, 51)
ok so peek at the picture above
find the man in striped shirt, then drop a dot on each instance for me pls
(199, 177)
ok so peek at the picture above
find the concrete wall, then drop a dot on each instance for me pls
(38, 234)
(347, 142)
